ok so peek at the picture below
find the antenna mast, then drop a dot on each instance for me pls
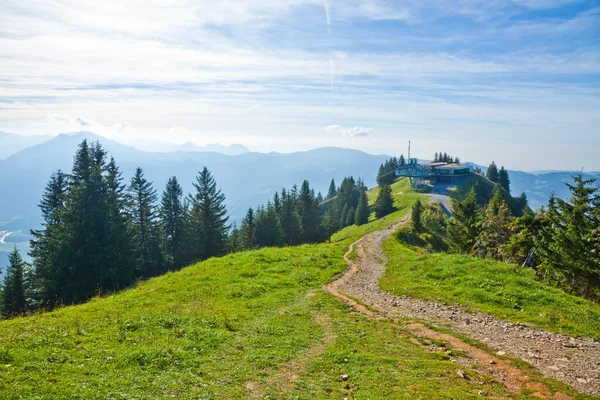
(409, 151)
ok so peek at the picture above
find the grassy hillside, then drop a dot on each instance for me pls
(503, 290)
(252, 324)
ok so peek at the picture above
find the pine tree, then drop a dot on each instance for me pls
(85, 254)
(332, 192)
(384, 203)
(14, 286)
(46, 242)
(331, 221)
(494, 229)
(361, 215)
(503, 179)
(234, 241)
(401, 161)
(144, 219)
(277, 203)
(567, 243)
(247, 231)
(209, 216)
(417, 211)
(350, 216)
(171, 218)
(435, 157)
(310, 214)
(462, 230)
(120, 258)
(291, 221)
(492, 172)
(268, 228)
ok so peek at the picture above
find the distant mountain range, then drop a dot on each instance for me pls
(247, 179)
(157, 146)
(538, 186)
(11, 143)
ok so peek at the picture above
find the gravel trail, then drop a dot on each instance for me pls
(573, 361)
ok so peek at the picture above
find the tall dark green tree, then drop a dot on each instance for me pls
(417, 211)
(14, 286)
(495, 229)
(332, 192)
(384, 203)
(172, 222)
(492, 173)
(120, 258)
(209, 216)
(45, 243)
(248, 230)
(291, 221)
(503, 179)
(84, 258)
(361, 215)
(268, 228)
(310, 214)
(144, 222)
(567, 243)
(462, 229)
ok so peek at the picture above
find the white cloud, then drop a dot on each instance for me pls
(354, 132)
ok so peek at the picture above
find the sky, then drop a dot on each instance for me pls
(517, 82)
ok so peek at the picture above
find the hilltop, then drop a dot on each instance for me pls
(256, 323)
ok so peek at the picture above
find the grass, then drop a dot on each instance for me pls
(214, 329)
(503, 290)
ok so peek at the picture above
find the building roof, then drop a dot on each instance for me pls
(454, 166)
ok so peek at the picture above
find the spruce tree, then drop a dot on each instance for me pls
(361, 215)
(171, 218)
(234, 242)
(332, 192)
(310, 214)
(120, 257)
(331, 221)
(269, 232)
(144, 220)
(209, 216)
(417, 211)
(14, 286)
(277, 203)
(462, 230)
(291, 221)
(350, 216)
(248, 230)
(492, 172)
(503, 179)
(384, 203)
(80, 273)
(567, 243)
(494, 229)
(45, 243)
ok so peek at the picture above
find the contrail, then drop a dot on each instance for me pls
(328, 20)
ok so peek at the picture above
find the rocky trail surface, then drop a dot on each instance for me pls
(572, 361)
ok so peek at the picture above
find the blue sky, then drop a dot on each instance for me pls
(517, 82)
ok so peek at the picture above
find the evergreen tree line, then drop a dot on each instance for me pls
(298, 216)
(445, 157)
(386, 175)
(100, 235)
(561, 241)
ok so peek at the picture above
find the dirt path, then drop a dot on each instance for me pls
(573, 361)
